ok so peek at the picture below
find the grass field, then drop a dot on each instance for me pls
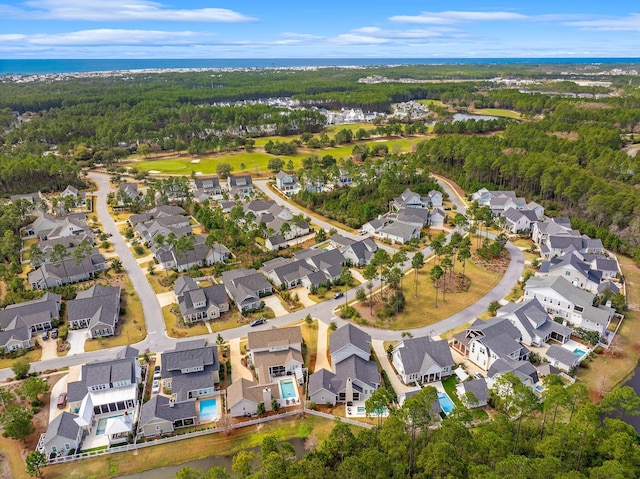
(497, 112)
(421, 311)
(31, 356)
(116, 465)
(257, 161)
(176, 330)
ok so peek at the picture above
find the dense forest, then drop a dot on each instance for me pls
(567, 437)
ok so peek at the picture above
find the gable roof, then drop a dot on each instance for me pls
(64, 426)
(562, 355)
(99, 304)
(479, 389)
(274, 337)
(160, 407)
(189, 354)
(249, 390)
(349, 335)
(523, 369)
(563, 287)
(419, 354)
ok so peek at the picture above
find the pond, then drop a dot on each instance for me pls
(205, 464)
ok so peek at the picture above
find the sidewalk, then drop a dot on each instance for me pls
(398, 386)
(322, 361)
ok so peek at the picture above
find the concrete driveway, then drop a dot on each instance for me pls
(238, 371)
(274, 303)
(76, 339)
(322, 360)
(49, 348)
(165, 299)
(398, 386)
(303, 296)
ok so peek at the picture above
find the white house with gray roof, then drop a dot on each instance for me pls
(358, 253)
(241, 185)
(562, 358)
(573, 305)
(521, 368)
(476, 387)
(190, 370)
(67, 271)
(353, 379)
(422, 360)
(485, 342)
(200, 304)
(246, 287)
(243, 397)
(97, 309)
(534, 323)
(161, 415)
(63, 435)
(19, 321)
(349, 340)
(398, 232)
(208, 187)
(275, 352)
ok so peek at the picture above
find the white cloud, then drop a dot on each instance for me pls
(120, 10)
(451, 17)
(110, 37)
(630, 23)
(355, 39)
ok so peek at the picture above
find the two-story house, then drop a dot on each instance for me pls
(241, 185)
(190, 370)
(97, 309)
(246, 287)
(275, 352)
(422, 360)
(200, 304)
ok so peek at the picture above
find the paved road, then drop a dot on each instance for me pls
(158, 341)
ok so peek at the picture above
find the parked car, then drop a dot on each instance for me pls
(338, 295)
(62, 400)
(156, 372)
(54, 333)
(478, 375)
(362, 232)
(155, 387)
(258, 322)
(45, 335)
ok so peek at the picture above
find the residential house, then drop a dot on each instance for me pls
(200, 304)
(398, 232)
(241, 185)
(357, 253)
(485, 342)
(243, 397)
(67, 271)
(286, 273)
(162, 415)
(35, 315)
(349, 340)
(33, 198)
(63, 436)
(477, 387)
(128, 194)
(354, 379)
(276, 243)
(169, 257)
(329, 262)
(287, 183)
(519, 220)
(561, 226)
(573, 305)
(374, 225)
(533, 322)
(79, 197)
(562, 358)
(573, 269)
(608, 268)
(437, 219)
(245, 287)
(559, 245)
(422, 360)
(207, 188)
(190, 370)
(48, 227)
(160, 211)
(410, 199)
(276, 352)
(97, 308)
(498, 201)
(414, 216)
(523, 369)
(105, 388)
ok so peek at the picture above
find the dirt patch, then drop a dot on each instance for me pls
(571, 136)
(455, 283)
(495, 265)
(5, 470)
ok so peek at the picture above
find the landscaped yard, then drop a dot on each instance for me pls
(449, 386)
(177, 330)
(30, 356)
(310, 337)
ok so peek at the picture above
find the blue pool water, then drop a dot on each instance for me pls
(208, 410)
(445, 403)
(362, 410)
(287, 389)
(102, 424)
(539, 388)
(579, 352)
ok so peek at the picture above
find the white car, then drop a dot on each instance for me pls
(155, 387)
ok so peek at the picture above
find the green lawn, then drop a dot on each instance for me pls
(257, 161)
(497, 112)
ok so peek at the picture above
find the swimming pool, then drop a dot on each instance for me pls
(208, 410)
(445, 403)
(287, 389)
(363, 410)
(102, 424)
(579, 352)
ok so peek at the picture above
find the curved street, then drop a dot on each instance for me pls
(158, 341)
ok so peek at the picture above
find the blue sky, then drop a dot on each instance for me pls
(320, 29)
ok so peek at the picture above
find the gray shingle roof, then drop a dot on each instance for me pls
(158, 407)
(522, 369)
(355, 367)
(349, 334)
(99, 304)
(563, 287)
(249, 390)
(479, 389)
(561, 354)
(64, 426)
(109, 372)
(419, 354)
(273, 337)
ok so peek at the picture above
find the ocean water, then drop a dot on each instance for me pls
(30, 67)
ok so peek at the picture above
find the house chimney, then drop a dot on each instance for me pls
(348, 394)
(266, 397)
(171, 402)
